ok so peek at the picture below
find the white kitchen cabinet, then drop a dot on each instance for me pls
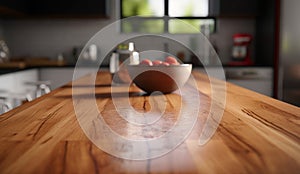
(13, 86)
(259, 85)
(61, 76)
(259, 79)
(15, 82)
(57, 76)
(215, 72)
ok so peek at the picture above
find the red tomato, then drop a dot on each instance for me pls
(146, 62)
(156, 62)
(171, 60)
(165, 64)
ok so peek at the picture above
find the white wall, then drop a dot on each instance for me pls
(48, 37)
(52, 36)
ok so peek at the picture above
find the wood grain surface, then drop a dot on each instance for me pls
(257, 134)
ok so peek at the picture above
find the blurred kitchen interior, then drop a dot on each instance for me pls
(55, 29)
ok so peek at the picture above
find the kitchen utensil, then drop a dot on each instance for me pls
(5, 104)
(42, 87)
(123, 57)
(89, 54)
(4, 52)
(241, 49)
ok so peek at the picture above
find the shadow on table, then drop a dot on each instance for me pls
(86, 86)
(103, 95)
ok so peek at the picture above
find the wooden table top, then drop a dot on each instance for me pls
(257, 134)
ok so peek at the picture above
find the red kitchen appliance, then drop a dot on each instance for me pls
(241, 50)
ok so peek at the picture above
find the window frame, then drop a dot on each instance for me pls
(166, 18)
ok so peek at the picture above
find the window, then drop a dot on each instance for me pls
(161, 16)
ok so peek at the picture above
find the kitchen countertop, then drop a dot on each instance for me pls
(257, 134)
(16, 69)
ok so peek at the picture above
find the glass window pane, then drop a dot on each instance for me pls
(145, 8)
(188, 8)
(187, 26)
(143, 26)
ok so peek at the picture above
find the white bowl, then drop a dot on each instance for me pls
(165, 79)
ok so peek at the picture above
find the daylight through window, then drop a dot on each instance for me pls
(160, 16)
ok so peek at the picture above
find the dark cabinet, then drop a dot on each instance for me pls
(54, 8)
(233, 8)
(64, 8)
(13, 8)
(267, 32)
